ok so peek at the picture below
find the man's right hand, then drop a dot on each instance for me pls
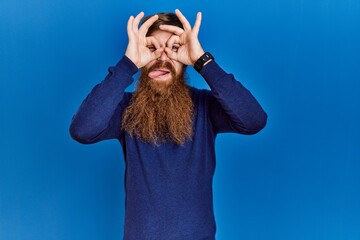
(141, 49)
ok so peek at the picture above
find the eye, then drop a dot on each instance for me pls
(175, 48)
(151, 48)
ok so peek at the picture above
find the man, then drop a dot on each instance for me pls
(167, 129)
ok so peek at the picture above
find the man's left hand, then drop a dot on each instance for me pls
(184, 45)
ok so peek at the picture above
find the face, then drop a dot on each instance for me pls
(159, 69)
(161, 108)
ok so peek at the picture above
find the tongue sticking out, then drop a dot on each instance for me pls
(157, 73)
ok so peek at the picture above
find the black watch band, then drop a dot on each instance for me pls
(198, 65)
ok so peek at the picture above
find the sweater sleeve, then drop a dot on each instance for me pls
(232, 107)
(99, 115)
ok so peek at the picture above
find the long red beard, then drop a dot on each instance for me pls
(160, 111)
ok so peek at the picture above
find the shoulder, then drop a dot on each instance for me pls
(198, 93)
(125, 100)
(201, 94)
(201, 97)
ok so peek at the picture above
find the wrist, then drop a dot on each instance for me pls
(131, 59)
(126, 64)
(202, 61)
(197, 56)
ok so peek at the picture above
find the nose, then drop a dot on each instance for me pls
(163, 56)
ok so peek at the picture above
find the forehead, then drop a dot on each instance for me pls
(162, 36)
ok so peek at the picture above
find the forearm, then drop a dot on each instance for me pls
(246, 114)
(96, 110)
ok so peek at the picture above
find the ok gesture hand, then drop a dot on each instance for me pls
(137, 50)
(184, 45)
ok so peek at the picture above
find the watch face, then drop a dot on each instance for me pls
(206, 57)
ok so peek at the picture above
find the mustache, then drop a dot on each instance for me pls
(163, 64)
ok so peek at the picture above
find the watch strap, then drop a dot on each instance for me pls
(199, 64)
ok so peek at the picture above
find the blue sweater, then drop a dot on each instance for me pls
(169, 187)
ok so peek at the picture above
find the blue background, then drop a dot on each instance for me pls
(297, 179)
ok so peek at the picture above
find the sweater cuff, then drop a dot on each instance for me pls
(212, 70)
(127, 65)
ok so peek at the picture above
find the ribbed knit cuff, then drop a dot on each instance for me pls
(127, 65)
(211, 70)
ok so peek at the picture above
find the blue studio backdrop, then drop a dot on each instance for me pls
(297, 179)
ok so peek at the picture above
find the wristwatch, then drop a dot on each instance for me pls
(198, 65)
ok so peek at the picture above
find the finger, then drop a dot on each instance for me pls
(183, 20)
(129, 25)
(172, 40)
(173, 29)
(137, 21)
(157, 53)
(152, 41)
(145, 26)
(197, 24)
